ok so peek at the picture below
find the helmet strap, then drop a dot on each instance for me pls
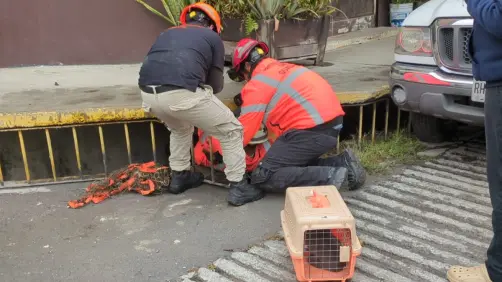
(255, 64)
(254, 58)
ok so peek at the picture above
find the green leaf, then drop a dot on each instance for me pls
(169, 12)
(153, 10)
(250, 25)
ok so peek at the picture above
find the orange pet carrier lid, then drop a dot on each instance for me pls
(318, 201)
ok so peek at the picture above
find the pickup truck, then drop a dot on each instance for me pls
(431, 76)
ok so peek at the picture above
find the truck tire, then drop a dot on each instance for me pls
(428, 128)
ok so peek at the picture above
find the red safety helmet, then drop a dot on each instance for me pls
(241, 52)
(207, 9)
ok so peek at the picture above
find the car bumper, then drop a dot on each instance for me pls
(430, 91)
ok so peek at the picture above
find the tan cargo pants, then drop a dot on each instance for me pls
(181, 110)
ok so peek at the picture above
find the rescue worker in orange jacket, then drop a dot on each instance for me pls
(178, 78)
(303, 117)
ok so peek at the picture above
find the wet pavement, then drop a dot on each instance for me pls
(126, 238)
(413, 225)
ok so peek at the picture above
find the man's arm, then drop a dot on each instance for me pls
(488, 14)
(215, 77)
(252, 110)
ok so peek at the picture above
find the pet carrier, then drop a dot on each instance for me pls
(320, 233)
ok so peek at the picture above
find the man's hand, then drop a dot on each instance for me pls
(250, 150)
(238, 100)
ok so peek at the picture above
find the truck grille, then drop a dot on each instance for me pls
(466, 35)
(452, 46)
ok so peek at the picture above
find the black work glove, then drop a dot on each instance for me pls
(238, 100)
(237, 112)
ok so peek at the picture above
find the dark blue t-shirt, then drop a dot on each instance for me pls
(183, 56)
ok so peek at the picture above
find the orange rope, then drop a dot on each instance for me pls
(145, 179)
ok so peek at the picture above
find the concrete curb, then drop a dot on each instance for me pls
(337, 42)
(107, 115)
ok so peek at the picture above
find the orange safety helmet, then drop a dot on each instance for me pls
(207, 9)
(242, 51)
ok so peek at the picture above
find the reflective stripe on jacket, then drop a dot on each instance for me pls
(203, 145)
(286, 96)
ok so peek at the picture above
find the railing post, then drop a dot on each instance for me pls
(25, 158)
(51, 154)
(360, 123)
(128, 143)
(387, 109)
(103, 149)
(154, 147)
(77, 151)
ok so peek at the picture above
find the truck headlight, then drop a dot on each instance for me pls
(415, 41)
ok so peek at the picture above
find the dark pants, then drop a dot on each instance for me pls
(493, 131)
(293, 159)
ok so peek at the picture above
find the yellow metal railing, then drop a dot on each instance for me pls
(77, 151)
(81, 176)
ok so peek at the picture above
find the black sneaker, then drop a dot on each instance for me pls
(184, 180)
(356, 171)
(243, 192)
(339, 177)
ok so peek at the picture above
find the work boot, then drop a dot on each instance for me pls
(243, 192)
(339, 177)
(356, 172)
(468, 274)
(184, 180)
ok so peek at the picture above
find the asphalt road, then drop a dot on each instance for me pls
(127, 238)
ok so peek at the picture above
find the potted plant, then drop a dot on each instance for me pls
(293, 29)
(172, 9)
(399, 10)
(233, 14)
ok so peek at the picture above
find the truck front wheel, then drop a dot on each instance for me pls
(428, 128)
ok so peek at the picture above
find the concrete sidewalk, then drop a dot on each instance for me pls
(56, 95)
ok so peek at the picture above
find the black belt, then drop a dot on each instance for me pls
(327, 125)
(158, 89)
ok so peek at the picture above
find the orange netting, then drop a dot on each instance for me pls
(145, 179)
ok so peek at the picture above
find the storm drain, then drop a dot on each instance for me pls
(413, 226)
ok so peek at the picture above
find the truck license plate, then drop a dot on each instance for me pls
(478, 91)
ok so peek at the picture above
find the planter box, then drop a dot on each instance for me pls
(294, 40)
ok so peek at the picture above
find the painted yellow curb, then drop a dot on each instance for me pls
(357, 97)
(102, 115)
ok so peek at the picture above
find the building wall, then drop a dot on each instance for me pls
(357, 15)
(52, 32)
(55, 32)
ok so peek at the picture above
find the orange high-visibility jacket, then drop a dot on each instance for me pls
(203, 145)
(285, 96)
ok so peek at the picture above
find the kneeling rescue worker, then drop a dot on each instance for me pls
(303, 117)
(178, 78)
